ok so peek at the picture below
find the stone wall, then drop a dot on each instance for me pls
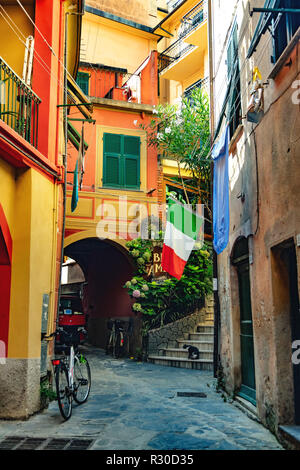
(166, 336)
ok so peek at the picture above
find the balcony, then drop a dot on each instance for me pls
(109, 84)
(19, 105)
(172, 4)
(184, 55)
(194, 25)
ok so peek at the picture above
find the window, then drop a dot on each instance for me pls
(121, 161)
(281, 25)
(82, 80)
(284, 26)
(233, 73)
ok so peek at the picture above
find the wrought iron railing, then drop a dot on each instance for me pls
(172, 4)
(203, 83)
(19, 105)
(194, 18)
(190, 21)
(173, 53)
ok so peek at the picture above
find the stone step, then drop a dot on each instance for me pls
(205, 329)
(176, 352)
(201, 336)
(199, 364)
(203, 345)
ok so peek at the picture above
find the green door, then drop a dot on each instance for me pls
(247, 389)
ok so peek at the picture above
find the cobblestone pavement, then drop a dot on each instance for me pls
(136, 406)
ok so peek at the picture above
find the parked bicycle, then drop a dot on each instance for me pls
(72, 371)
(117, 338)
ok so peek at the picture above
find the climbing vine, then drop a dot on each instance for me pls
(164, 300)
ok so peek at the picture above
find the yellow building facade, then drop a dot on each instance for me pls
(183, 64)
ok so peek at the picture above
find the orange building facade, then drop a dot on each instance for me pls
(120, 182)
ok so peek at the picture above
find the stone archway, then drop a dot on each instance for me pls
(106, 267)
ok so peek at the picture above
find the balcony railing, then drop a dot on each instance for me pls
(103, 82)
(203, 84)
(172, 54)
(189, 22)
(194, 18)
(172, 4)
(19, 105)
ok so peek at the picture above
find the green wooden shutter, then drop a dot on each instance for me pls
(83, 81)
(121, 161)
(132, 162)
(233, 71)
(112, 164)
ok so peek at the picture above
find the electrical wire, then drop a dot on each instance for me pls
(43, 37)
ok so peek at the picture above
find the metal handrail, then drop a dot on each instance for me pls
(18, 104)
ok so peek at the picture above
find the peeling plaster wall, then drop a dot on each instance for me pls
(268, 216)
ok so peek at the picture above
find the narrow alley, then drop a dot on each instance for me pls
(137, 406)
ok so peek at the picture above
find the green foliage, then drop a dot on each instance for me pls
(165, 300)
(183, 132)
(46, 391)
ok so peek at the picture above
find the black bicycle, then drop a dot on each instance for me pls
(116, 340)
(72, 371)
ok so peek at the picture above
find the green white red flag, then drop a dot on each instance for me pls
(182, 230)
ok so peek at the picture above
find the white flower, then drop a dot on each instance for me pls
(135, 122)
(155, 110)
(159, 136)
(168, 130)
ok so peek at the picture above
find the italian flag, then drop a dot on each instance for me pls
(182, 229)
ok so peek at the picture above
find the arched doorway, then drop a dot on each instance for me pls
(240, 259)
(5, 281)
(106, 267)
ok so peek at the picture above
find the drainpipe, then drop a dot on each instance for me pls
(212, 127)
(65, 120)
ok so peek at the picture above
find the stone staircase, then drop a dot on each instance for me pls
(202, 338)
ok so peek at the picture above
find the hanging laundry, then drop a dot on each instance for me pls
(74, 201)
(81, 158)
(220, 156)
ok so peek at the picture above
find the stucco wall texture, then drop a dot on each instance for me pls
(139, 11)
(264, 166)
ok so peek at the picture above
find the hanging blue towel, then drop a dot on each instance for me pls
(74, 200)
(220, 155)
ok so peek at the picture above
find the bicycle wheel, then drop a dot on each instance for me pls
(119, 345)
(82, 379)
(109, 345)
(64, 396)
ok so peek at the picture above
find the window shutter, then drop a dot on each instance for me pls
(121, 161)
(132, 162)
(112, 160)
(234, 101)
(83, 81)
